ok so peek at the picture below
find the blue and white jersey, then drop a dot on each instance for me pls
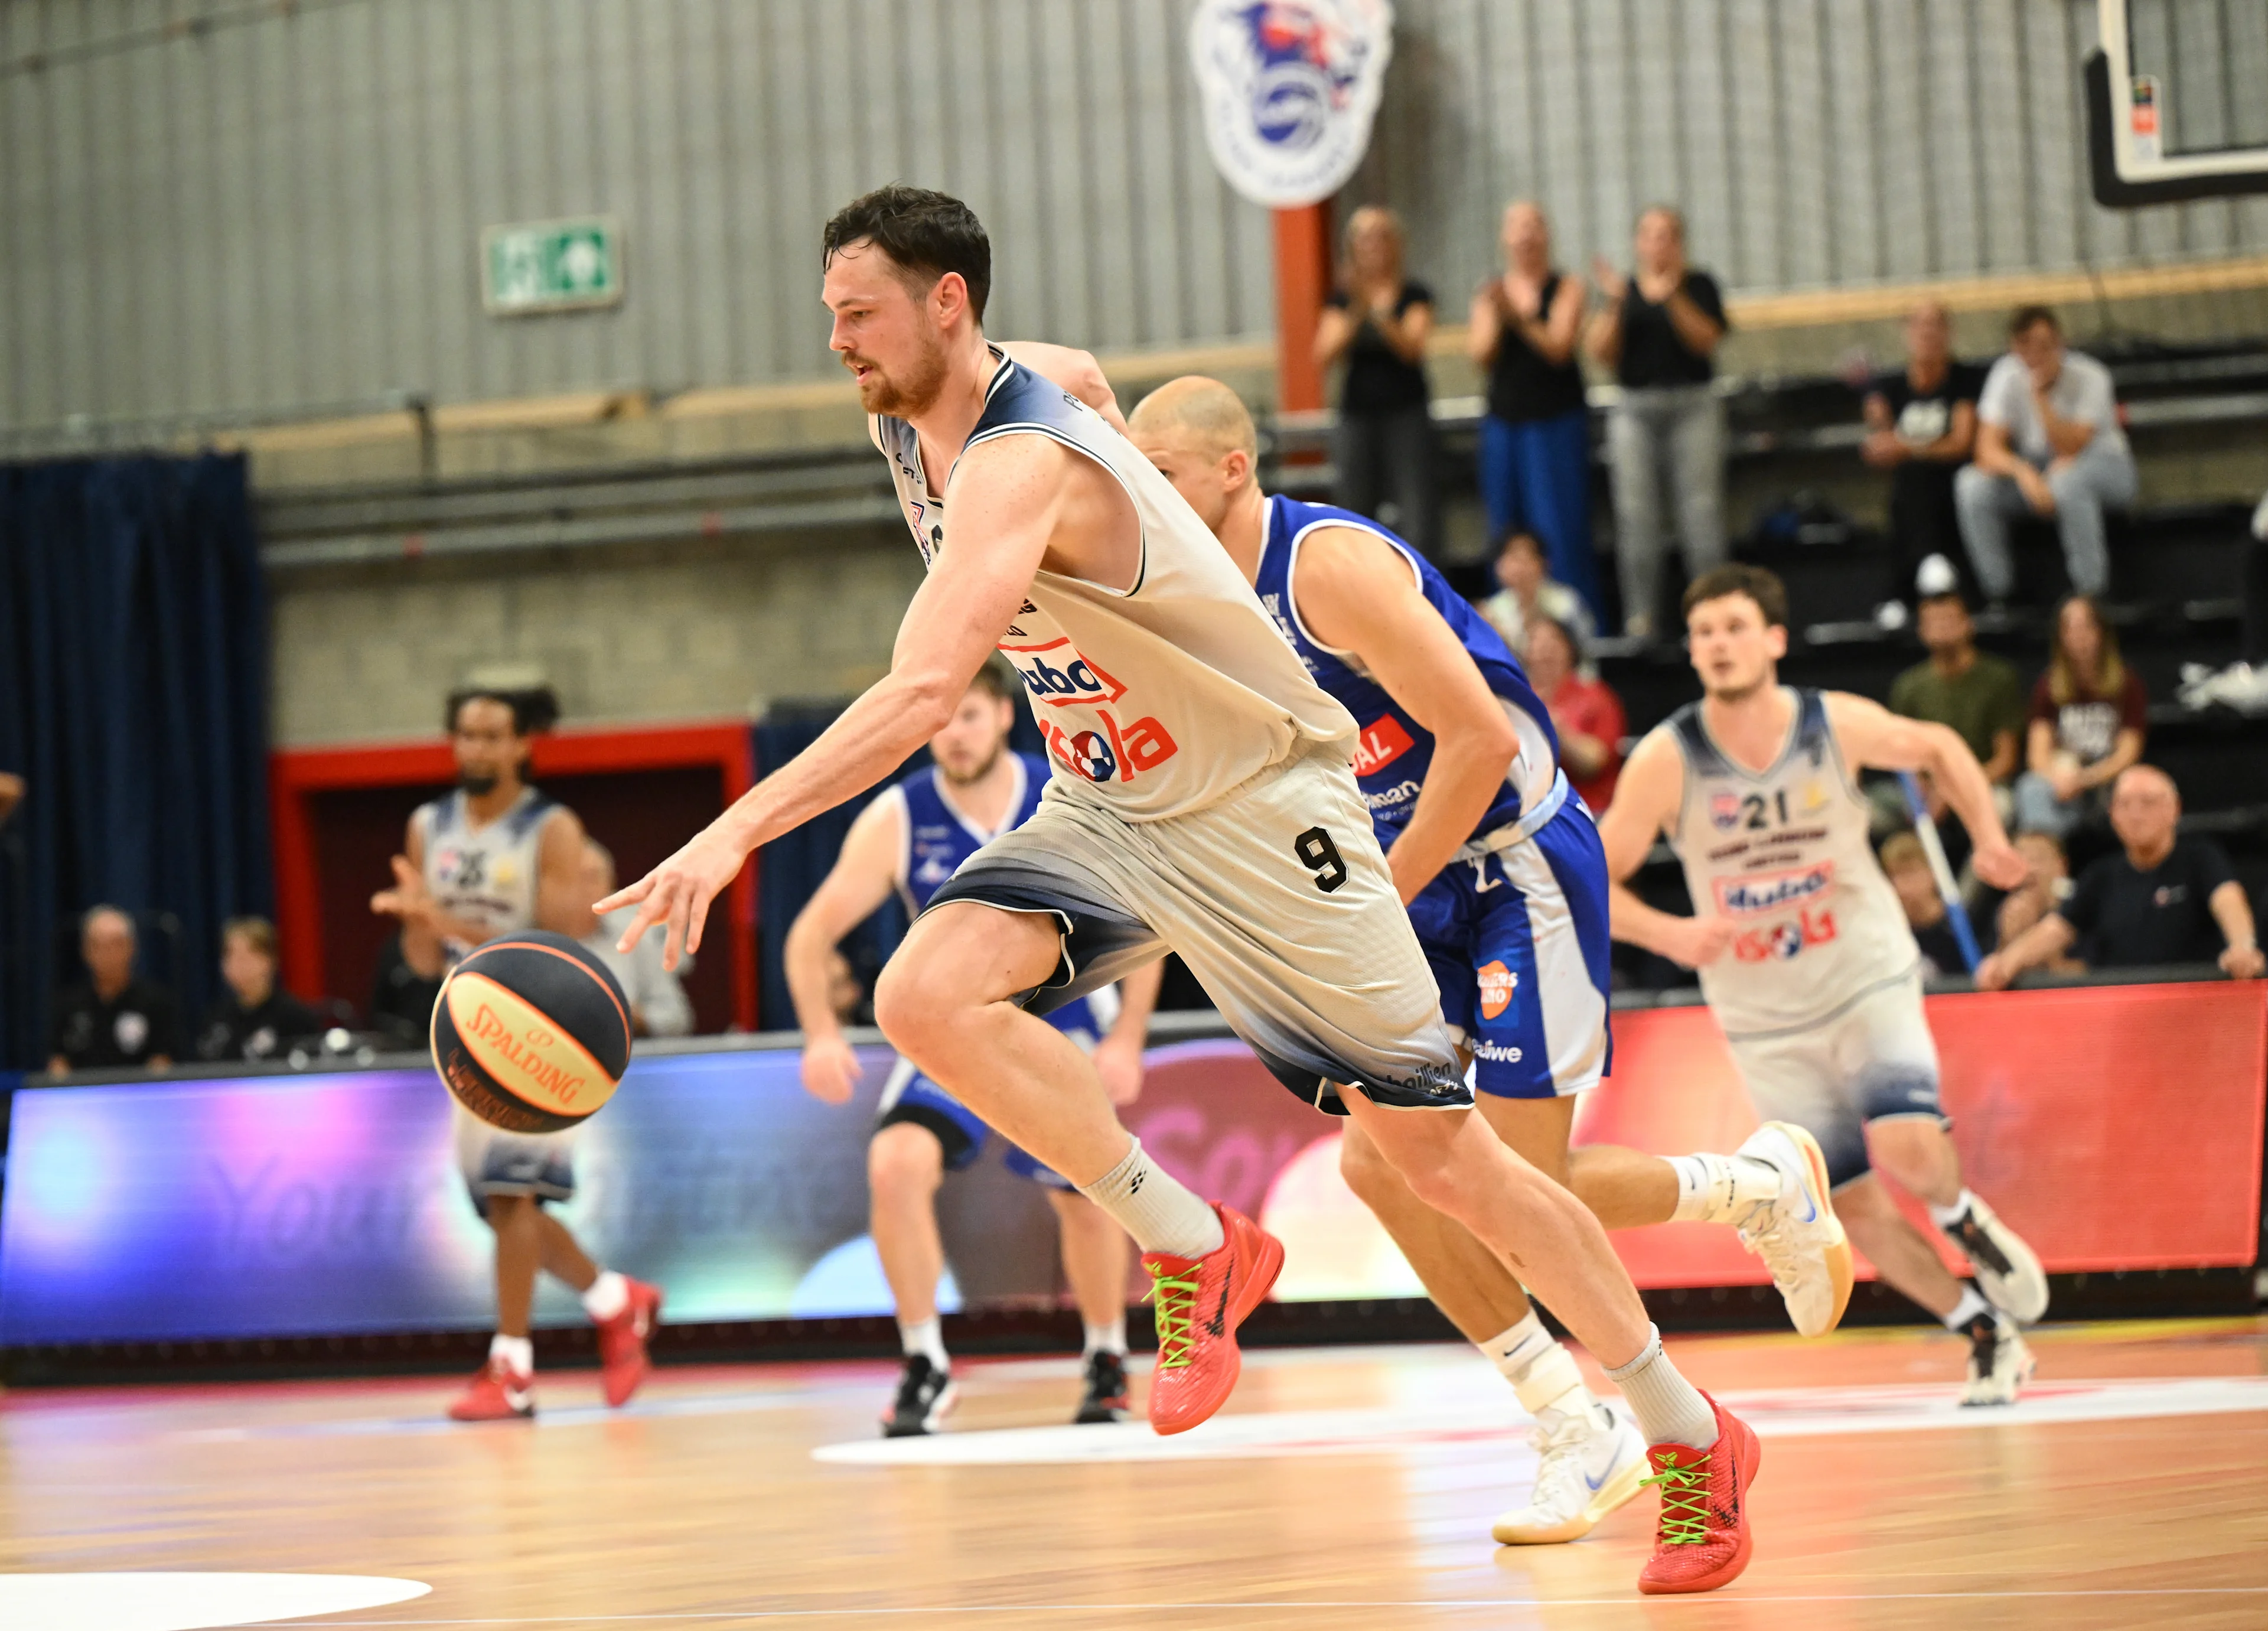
(936, 836)
(1394, 750)
(484, 874)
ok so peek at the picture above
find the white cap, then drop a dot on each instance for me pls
(1936, 578)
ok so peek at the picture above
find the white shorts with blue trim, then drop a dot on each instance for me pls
(496, 1162)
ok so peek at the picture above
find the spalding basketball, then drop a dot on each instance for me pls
(532, 1032)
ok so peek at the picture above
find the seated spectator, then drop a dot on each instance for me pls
(1906, 864)
(658, 1006)
(1536, 438)
(2163, 899)
(1658, 332)
(115, 1021)
(1585, 713)
(258, 1019)
(1379, 321)
(1527, 592)
(410, 968)
(2090, 716)
(1977, 695)
(1921, 424)
(2048, 443)
(2047, 887)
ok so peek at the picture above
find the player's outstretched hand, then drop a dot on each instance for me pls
(830, 1070)
(2000, 866)
(1119, 1064)
(676, 894)
(1697, 942)
(408, 898)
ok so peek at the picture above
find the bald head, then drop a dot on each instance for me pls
(2145, 810)
(107, 942)
(1198, 434)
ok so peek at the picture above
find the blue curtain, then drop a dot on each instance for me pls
(133, 702)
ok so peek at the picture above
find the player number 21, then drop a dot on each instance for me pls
(1319, 855)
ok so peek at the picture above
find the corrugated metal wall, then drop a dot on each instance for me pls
(255, 206)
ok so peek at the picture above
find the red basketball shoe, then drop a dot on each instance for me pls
(1702, 1541)
(622, 1363)
(1200, 1303)
(496, 1393)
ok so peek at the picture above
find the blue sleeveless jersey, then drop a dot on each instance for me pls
(1394, 750)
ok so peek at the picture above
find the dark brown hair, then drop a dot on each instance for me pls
(998, 677)
(2109, 675)
(2025, 317)
(1761, 586)
(926, 234)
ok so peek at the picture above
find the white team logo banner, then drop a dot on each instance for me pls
(1290, 88)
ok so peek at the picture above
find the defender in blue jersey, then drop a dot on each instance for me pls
(1501, 868)
(910, 839)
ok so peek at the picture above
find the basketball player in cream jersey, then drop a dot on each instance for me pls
(1202, 803)
(1803, 950)
(493, 858)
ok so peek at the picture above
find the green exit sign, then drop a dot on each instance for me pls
(551, 266)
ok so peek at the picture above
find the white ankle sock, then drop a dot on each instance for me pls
(1721, 1188)
(1669, 1409)
(1943, 1215)
(1156, 1209)
(1972, 1305)
(1541, 1372)
(608, 1296)
(517, 1351)
(926, 1336)
(1110, 1339)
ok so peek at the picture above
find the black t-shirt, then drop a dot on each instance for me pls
(1524, 385)
(140, 1023)
(1378, 379)
(2128, 918)
(1652, 353)
(233, 1031)
(401, 999)
(1920, 417)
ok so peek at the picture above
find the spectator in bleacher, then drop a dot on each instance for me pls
(1536, 438)
(1921, 426)
(407, 983)
(2047, 887)
(1379, 320)
(1906, 864)
(2089, 717)
(658, 1006)
(116, 1021)
(1527, 592)
(2163, 899)
(256, 1019)
(2048, 443)
(1978, 695)
(1585, 714)
(1659, 331)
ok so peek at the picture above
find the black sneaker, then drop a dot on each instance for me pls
(926, 1392)
(2008, 1271)
(1106, 1389)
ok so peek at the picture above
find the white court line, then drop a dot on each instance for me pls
(1633, 1600)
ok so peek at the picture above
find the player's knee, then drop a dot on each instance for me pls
(913, 1001)
(903, 1160)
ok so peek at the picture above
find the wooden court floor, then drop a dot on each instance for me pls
(1345, 1487)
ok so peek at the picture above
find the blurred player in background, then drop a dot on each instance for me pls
(1804, 951)
(1501, 870)
(491, 859)
(912, 839)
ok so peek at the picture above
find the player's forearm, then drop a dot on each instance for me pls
(1960, 780)
(1634, 923)
(804, 960)
(1137, 1000)
(869, 739)
(1460, 785)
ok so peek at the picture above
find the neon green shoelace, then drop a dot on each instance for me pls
(1685, 1502)
(1175, 1297)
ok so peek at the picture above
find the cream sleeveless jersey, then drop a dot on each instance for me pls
(1159, 700)
(486, 874)
(1785, 853)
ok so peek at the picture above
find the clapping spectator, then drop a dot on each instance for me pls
(257, 1019)
(1536, 438)
(658, 1006)
(1906, 864)
(2163, 899)
(1585, 714)
(1379, 320)
(2090, 716)
(1658, 332)
(115, 1021)
(1921, 426)
(2046, 886)
(2048, 443)
(1527, 592)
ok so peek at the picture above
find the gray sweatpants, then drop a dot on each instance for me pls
(2097, 479)
(1671, 436)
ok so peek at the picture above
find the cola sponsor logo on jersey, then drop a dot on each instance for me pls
(1497, 983)
(1759, 893)
(1382, 741)
(1056, 673)
(1116, 752)
(1812, 926)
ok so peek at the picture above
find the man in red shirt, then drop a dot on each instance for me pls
(1585, 712)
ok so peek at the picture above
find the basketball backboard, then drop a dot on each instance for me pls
(2174, 104)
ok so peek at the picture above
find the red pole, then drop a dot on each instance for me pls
(1303, 277)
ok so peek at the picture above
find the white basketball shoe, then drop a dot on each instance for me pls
(1999, 1361)
(1796, 1232)
(1593, 1461)
(2008, 1271)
